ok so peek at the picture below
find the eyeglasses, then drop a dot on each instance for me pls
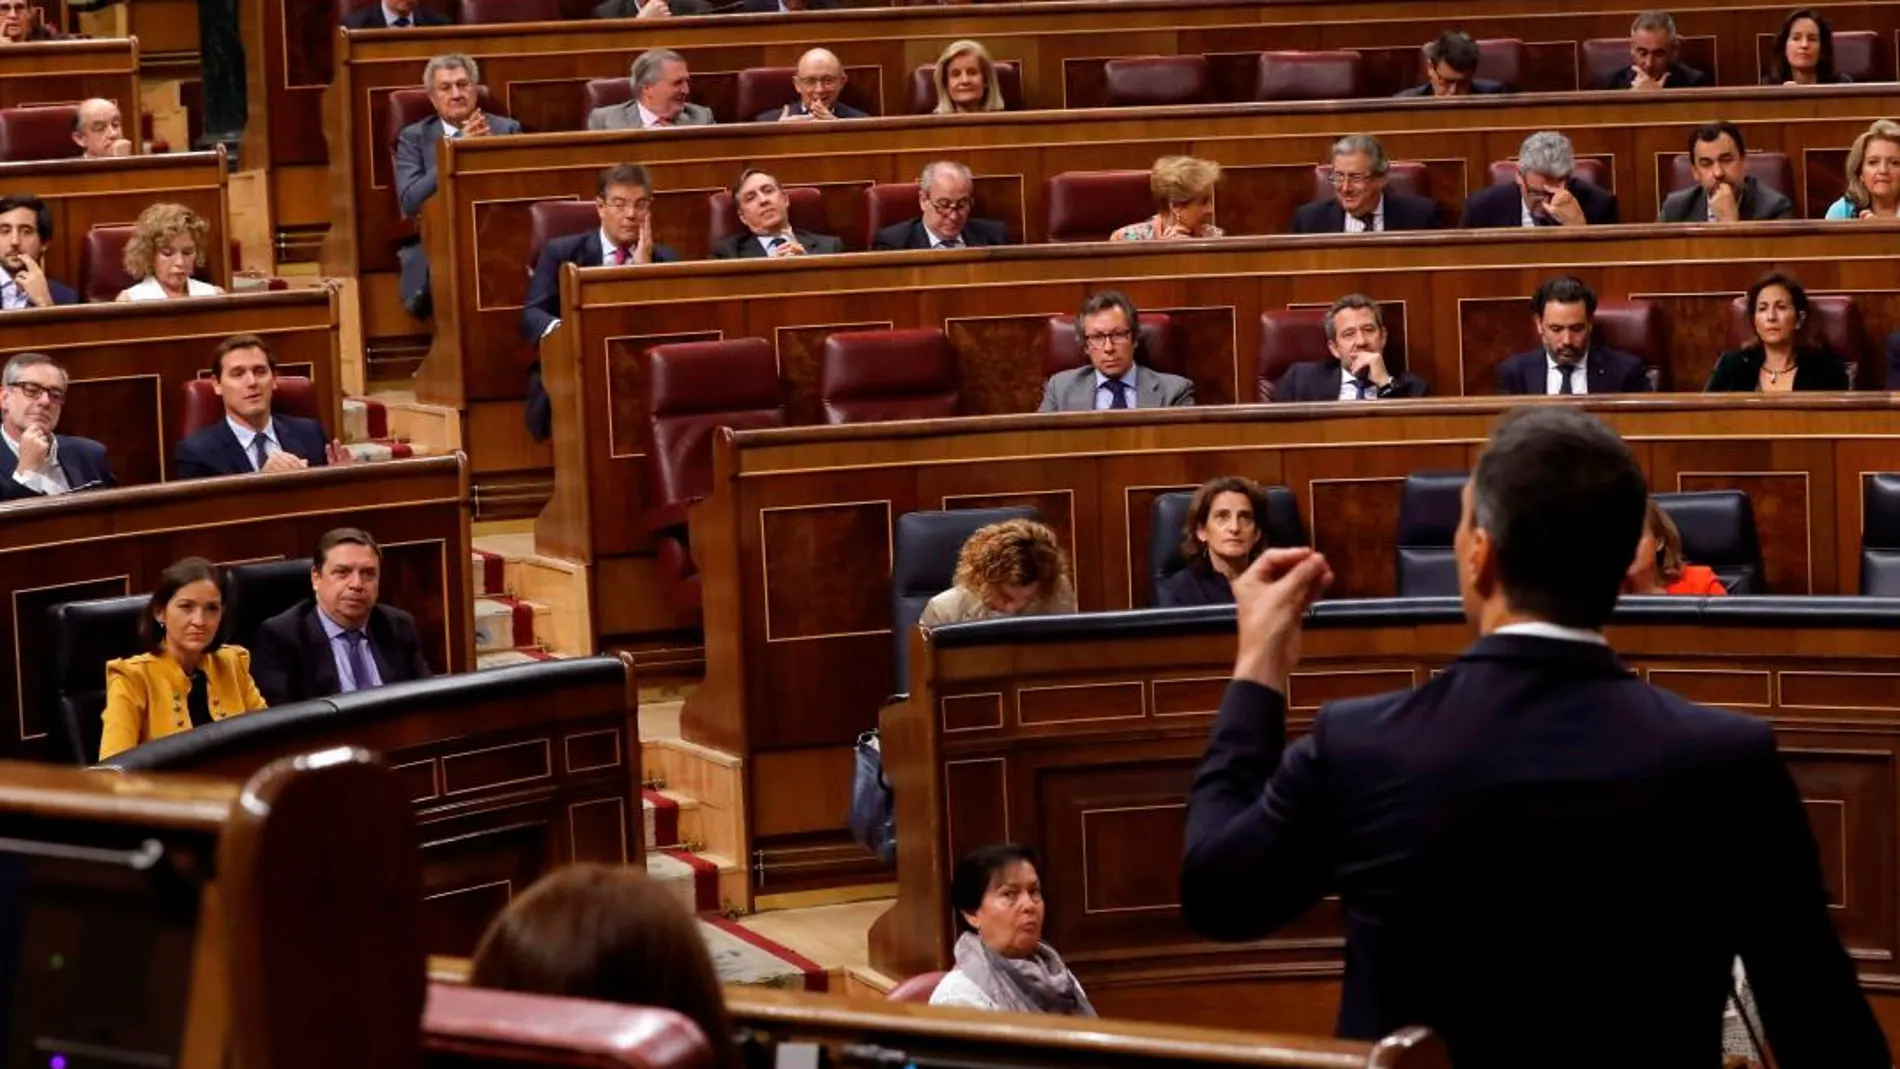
(1343, 179)
(819, 81)
(1107, 339)
(624, 206)
(34, 391)
(949, 207)
(12, 7)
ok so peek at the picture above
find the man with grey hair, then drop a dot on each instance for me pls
(945, 198)
(1543, 192)
(1653, 63)
(36, 462)
(662, 95)
(1356, 338)
(99, 131)
(1360, 202)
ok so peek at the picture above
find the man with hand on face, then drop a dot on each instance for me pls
(251, 437)
(394, 15)
(1565, 310)
(1355, 335)
(1653, 62)
(341, 639)
(99, 131)
(1724, 191)
(25, 227)
(819, 78)
(662, 97)
(1543, 194)
(1109, 328)
(945, 195)
(1360, 203)
(765, 211)
(38, 462)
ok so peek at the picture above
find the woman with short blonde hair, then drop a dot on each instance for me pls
(1012, 568)
(1184, 193)
(966, 79)
(168, 244)
(1873, 175)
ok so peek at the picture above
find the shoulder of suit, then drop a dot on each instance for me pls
(233, 658)
(74, 441)
(394, 615)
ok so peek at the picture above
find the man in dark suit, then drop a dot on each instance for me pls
(946, 193)
(1109, 330)
(1543, 193)
(35, 462)
(1724, 191)
(1360, 202)
(818, 79)
(765, 212)
(624, 195)
(26, 225)
(1355, 335)
(251, 437)
(393, 14)
(1653, 63)
(1535, 843)
(1451, 68)
(340, 639)
(1564, 310)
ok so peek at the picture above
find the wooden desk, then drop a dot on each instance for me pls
(116, 542)
(129, 363)
(1085, 747)
(66, 72)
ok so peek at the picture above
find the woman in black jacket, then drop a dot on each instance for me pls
(1780, 359)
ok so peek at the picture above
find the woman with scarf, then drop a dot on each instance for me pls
(1002, 962)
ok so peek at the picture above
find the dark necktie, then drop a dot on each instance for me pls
(1366, 221)
(260, 448)
(774, 243)
(1567, 386)
(356, 644)
(401, 23)
(1364, 386)
(199, 700)
(1119, 390)
(951, 243)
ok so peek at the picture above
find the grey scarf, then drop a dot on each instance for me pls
(1039, 983)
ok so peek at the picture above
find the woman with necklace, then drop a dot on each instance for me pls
(1780, 359)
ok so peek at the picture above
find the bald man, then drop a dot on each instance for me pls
(819, 78)
(98, 130)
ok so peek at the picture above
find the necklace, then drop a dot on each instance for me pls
(1774, 374)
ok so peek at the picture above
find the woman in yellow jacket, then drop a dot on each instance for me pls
(188, 678)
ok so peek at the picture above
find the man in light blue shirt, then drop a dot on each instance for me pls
(1109, 330)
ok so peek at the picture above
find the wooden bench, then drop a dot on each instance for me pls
(66, 72)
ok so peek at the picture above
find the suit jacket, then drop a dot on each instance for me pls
(1318, 380)
(371, 18)
(1605, 371)
(1402, 212)
(415, 159)
(61, 293)
(544, 289)
(745, 246)
(292, 659)
(82, 459)
(1758, 202)
(977, 233)
(1074, 390)
(1478, 85)
(146, 696)
(1533, 839)
(627, 116)
(1681, 76)
(840, 110)
(770, 7)
(215, 450)
(1816, 368)
(1503, 205)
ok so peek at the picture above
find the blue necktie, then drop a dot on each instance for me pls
(1119, 390)
(260, 448)
(401, 23)
(357, 654)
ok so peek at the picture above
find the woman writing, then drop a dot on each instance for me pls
(1221, 536)
(1012, 568)
(168, 244)
(1780, 359)
(1184, 191)
(1002, 962)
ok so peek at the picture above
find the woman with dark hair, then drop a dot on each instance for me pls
(1002, 962)
(1780, 359)
(1804, 52)
(1660, 567)
(1012, 568)
(1220, 536)
(188, 678)
(609, 933)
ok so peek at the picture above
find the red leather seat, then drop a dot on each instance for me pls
(1832, 318)
(550, 219)
(102, 263)
(1601, 59)
(478, 12)
(1595, 172)
(294, 396)
(603, 93)
(806, 212)
(1288, 336)
(763, 89)
(1309, 76)
(1857, 55)
(918, 988)
(406, 107)
(1155, 80)
(869, 376)
(923, 87)
(1771, 169)
(1500, 59)
(1403, 176)
(1091, 205)
(1062, 350)
(478, 1028)
(44, 133)
(1640, 329)
(886, 203)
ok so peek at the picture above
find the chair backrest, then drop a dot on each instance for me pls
(1500, 60)
(1288, 336)
(1408, 177)
(40, 133)
(923, 87)
(1718, 531)
(84, 635)
(1091, 205)
(762, 88)
(1155, 80)
(1309, 76)
(1834, 318)
(550, 219)
(1880, 535)
(1062, 351)
(873, 375)
(409, 106)
(479, 1028)
(1430, 504)
(1639, 328)
(886, 203)
(695, 388)
(1602, 58)
(924, 548)
(603, 93)
(1857, 54)
(102, 263)
(479, 12)
(294, 396)
(1771, 169)
(918, 988)
(1593, 171)
(255, 592)
(1167, 520)
(805, 212)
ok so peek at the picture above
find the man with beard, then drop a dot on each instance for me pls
(1565, 310)
(25, 227)
(1355, 335)
(1724, 191)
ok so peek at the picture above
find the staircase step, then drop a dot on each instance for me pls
(364, 420)
(384, 449)
(505, 623)
(700, 881)
(488, 572)
(743, 956)
(662, 810)
(505, 658)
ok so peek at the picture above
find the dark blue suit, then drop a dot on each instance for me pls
(1402, 212)
(1501, 206)
(371, 18)
(977, 233)
(1540, 857)
(62, 293)
(215, 450)
(839, 110)
(82, 459)
(1605, 371)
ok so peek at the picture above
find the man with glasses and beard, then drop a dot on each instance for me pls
(945, 194)
(1565, 311)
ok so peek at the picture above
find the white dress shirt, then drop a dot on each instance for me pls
(1543, 629)
(50, 479)
(1528, 218)
(650, 121)
(1354, 226)
(765, 240)
(938, 242)
(1105, 397)
(1554, 378)
(1349, 387)
(390, 17)
(245, 434)
(13, 296)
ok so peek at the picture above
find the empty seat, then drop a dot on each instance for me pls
(1168, 515)
(886, 203)
(1062, 350)
(202, 407)
(478, 1028)
(805, 212)
(1091, 205)
(874, 375)
(1309, 76)
(1430, 504)
(1718, 532)
(43, 133)
(1595, 172)
(1288, 336)
(924, 548)
(918, 988)
(1406, 177)
(102, 263)
(477, 12)
(923, 87)
(1602, 58)
(602, 93)
(1857, 55)
(1880, 535)
(764, 89)
(257, 591)
(1500, 60)
(1833, 318)
(1771, 169)
(1156, 80)
(1640, 329)
(83, 636)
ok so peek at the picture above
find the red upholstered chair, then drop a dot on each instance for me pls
(1154, 80)
(407, 107)
(1595, 172)
(202, 407)
(886, 203)
(1640, 329)
(764, 89)
(1062, 351)
(1857, 55)
(1404, 176)
(869, 376)
(1832, 318)
(1769, 168)
(1309, 76)
(1091, 205)
(1500, 59)
(37, 133)
(807, 212)
(102, 263)
(923, 87)
(693, 389)
(603, 93)
(1288, 336)
(478, 12)
(918, 988)
(550, 219)
(1601, 58)
(478, 1028)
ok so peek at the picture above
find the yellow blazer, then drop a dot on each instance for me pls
(145, 695)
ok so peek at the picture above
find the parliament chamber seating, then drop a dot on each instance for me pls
(83, 636)
(876, 375)
(885, 204)
(202, 407)
(1091, 205)
(258, 590)
(765, 88)
(917, 988)
(1833, 319)
(1141, 81)
(102, 274)
(1500, 59)
(1718, 531)
(923, 87)
(1880, 535)
(1771, 169)
(1156, 347)
(1859, 54)
(1407, 177)
(1587, 169)
(1639, 328)
(1430, 504)
(603, 93)
(805, 212)
(1167, 517)
(406, 107)
(477, 1028)
(479, 12)
(924, 548)
(38, 133)
(1309, 76)
(550, 219)
(1288, 336)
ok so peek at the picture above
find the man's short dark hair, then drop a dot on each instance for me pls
(624, 174)
(1564, 289)
(42, 215)
(1101, 301)
(240, 341)
(1563, 503)
(1455, 49)
(1715, 131)
(342, 536)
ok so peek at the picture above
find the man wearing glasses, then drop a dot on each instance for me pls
(819, 78)
(1360, 203)
(1451, 69)
(38, 462)
(945, 193)
(1543, 193)
(1109, 329)
(20, 23)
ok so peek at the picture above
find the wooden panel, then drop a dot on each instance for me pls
(1740, 690)
(825, 585)
(66, 72)
(1078, 705)
(972, 712)
(976, 804)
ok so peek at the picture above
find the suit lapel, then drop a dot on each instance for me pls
(590, 254)
(75, 464)
(918, 238)
(1082, 390)
(1150, 382)
(320, 660)
(233, 449)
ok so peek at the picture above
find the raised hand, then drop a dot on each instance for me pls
(1270, 600)
(1565, 209)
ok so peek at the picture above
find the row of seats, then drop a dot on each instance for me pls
(45, 132)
